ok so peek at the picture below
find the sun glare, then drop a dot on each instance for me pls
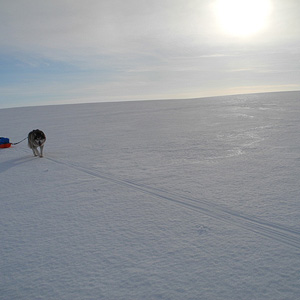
(243, 17)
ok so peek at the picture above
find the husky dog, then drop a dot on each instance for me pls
(36, 138)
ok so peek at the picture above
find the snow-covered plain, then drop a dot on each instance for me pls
(179, 199)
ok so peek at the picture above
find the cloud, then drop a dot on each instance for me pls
(100, 27)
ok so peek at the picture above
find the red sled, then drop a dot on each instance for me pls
(5, 145)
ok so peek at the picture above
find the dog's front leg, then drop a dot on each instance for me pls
(35, 151)
(41, 148)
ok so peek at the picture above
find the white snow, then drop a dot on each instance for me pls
(179, 199)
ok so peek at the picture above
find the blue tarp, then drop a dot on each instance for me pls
(4, 140)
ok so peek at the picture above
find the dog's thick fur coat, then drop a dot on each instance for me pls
(36, 138)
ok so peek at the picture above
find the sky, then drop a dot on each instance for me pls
(82, 51)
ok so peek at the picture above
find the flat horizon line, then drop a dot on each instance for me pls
(143, 100)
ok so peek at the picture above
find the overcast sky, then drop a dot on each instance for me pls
(70, 51)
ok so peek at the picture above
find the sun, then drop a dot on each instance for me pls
(242, 17)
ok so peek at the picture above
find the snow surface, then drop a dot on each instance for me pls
(180, 199)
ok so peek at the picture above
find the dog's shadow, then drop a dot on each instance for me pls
(14, 163)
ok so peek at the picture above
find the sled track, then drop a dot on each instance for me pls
(274, 231)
